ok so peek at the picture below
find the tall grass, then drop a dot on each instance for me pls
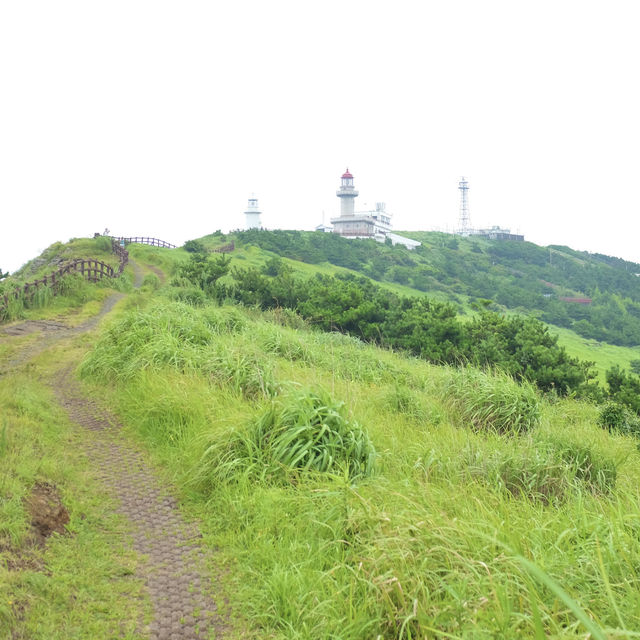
(41, 298)
(459, 533)
(14, 309)
(491, 400)
(305, 431)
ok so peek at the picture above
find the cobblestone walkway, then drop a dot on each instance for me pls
(174, 566)
(173, 561)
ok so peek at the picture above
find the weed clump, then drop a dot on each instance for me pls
(188, 294)
(597, 472)
(151, 282)
(544, 471)
(224, 320)
(170, 335)
(401, 399)
(492, 400)
(243, 373)
(534, 474)
(285, 346)
(306, 431)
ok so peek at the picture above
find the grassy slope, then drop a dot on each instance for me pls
(58, 252)
(438, 542)
(602, 354)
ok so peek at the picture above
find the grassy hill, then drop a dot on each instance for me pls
(351, 491)
(518, 276)
(515, 277)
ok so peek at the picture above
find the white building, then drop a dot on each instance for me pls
(374, 224)
(252, 214)
(359, 224)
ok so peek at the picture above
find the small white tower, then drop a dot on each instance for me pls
(252, 214)
(347, 195)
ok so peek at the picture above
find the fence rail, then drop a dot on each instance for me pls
(89, 268)
(154, 242)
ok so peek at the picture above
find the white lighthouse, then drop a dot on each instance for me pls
(347, 195)
(252, 214)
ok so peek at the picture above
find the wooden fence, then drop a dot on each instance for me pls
(154, 242)
(89, 268)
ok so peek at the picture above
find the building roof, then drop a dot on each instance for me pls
(346, 174)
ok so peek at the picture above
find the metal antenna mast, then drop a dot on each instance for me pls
(465, 228)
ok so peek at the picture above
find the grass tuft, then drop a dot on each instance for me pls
(305, 431)
(491, 400)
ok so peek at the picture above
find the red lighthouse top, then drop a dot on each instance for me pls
(346, 174)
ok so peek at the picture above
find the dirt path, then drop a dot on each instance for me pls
(159, 272)
(174, 565)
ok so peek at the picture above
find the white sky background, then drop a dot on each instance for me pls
(161, 118)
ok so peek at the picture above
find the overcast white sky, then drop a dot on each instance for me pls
(161, 118)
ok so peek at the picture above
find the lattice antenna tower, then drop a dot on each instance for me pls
(465, 221)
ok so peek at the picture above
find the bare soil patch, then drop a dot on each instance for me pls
(31, 326)
(48, 514)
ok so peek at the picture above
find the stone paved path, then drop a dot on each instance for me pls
(173, 561)
(175, 565)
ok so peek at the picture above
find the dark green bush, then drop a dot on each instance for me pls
(194, 246)
(616, 417)
(103, 243)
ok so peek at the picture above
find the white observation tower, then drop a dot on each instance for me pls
(252, 214)
(347, 195)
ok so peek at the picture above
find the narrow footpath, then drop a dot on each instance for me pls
(176, 568)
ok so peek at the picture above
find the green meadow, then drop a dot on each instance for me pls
(357, 493)
(349, 491)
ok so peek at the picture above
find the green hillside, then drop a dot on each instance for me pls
(348, 484)
(518, 276)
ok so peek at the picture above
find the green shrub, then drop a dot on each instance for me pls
(151, 281)
(194, 296)
(306, 431)
(491, 400)
(103, 243)
(616, 417)
(194, 246)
